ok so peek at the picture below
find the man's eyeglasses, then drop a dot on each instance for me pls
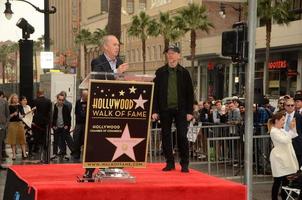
(290, 105)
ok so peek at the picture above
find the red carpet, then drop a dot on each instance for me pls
(52, 182)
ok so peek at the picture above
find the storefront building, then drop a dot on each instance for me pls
(219, 77)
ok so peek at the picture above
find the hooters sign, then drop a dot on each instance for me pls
(278, 64)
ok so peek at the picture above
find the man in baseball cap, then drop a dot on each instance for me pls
(173, 100)
(298, 103)
(172, 48)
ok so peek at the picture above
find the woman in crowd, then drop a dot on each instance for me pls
(283, 158)
(27, 118)
(16, 133)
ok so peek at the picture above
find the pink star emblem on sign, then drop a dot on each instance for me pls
(140, 102)
(125, 144)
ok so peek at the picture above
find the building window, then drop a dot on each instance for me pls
(160, 52)
(297, 4)
(154, 53)
(129, 56)
(130, 6)
(104, 6)
(157, 3)
(138, 55)
(149, 53)
(133, 54)
(142, 4)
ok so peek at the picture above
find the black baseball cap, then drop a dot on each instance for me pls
(298, 97)
(173, 48)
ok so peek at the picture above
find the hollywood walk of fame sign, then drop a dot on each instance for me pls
(118, 124)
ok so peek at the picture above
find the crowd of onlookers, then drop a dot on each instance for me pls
(29, 126)
(215, 111)
(283, 122)
(32, 137)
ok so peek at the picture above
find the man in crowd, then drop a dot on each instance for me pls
(233, 113)
(69, 106)
(219, 114)
(298, 114)
(4, 118)
(61, 122)
(109, 62)
(205, 113)
(292, 115)
(80, 114)
(173, 100)
(40, 124)
(298, 103)
(68, 103)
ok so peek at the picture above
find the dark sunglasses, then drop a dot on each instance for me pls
(292, 105)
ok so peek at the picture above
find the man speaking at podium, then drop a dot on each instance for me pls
(173, 100)
(108, 62)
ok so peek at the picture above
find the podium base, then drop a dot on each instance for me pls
(109, 175)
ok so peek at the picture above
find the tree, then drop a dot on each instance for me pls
(267, 11)
(6, 61)
(165, 27)
(191, 19)
(38, 47)
(14, 48)
(97, 36)
(83, 38)
(114, 18)
(140, 27)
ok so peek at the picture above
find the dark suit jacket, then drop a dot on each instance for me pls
(66, 116)
(185, 93)
(297, 141)
(101, 64)
(43, 112)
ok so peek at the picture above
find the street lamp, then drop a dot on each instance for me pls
(8, 14)
(222, 12)
(8, 11)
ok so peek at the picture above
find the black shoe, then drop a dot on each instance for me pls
(2, 168)
(76, 157)
(169, 167)
(88, 173)
(24, 157)
(53, 157)
(66, 158)
(185, 169)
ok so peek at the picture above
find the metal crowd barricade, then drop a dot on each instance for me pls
(219, 150)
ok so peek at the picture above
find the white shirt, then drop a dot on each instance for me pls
(112, 63)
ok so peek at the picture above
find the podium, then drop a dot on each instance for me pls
(117, 123)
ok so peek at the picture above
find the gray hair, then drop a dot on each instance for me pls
(106, 39)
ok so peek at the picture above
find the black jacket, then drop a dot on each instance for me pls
(80, 111)
(297, 141)
(43, 111)
(66, 116)
(185, 95)
(101, 64)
